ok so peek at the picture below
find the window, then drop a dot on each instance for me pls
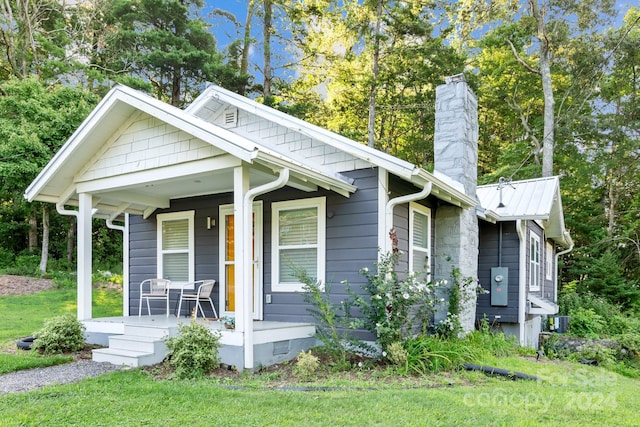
(420, 240)
(534, 263)
(176, 247)
(548, 258)
(298, 242)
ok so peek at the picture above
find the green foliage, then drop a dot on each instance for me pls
(332, 322)
(306, 366)
(585, 322)
(62, 334)
(194, 351)
(25, 264)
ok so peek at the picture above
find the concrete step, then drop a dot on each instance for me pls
(160, 331)
(127, 357)
(137, 343)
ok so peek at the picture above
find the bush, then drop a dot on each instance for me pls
(306, 365)
(62, 334)
(26, 264)
(585, 322)
(194, 351)
(6, 258)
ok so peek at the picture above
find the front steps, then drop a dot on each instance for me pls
(140, 345)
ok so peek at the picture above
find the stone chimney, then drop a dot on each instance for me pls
(456, 229)
(456, 133)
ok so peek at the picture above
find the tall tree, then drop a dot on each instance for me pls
(166, 43)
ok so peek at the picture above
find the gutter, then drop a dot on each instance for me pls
(247, 286)
(391, 204)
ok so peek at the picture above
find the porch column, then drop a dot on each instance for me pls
(85, 255)
(243, 259)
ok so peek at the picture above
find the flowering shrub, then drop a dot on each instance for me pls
(395, 309)
(194, 351)
(61, 334)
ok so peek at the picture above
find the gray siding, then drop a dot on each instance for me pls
(489, 256)
(351, 243)
(397, 188)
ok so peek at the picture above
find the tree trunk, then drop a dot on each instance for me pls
(176, 80)
(268, 14)
(71, 238)
(44, 256)
(246, 45)
(548, 139)
(33, 232)
(371, 128)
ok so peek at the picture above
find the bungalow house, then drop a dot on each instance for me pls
(231, 190)
(521, 238)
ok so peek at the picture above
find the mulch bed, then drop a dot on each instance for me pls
(19, 285)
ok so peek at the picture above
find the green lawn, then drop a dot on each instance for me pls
(569, 394)
(22, 315)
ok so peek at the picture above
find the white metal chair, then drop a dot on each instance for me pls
(204, 289)
(154, 289)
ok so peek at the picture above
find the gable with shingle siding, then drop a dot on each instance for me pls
(147, 143)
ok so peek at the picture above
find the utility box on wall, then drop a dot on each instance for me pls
(499, 286)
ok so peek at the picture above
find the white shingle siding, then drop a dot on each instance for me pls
(286, 140)
(139, 148)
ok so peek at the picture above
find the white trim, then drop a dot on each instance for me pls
(521, 229)
(276, 207)
(258, 264)
(190, 216)
(425, 211)
(534, 275)
(383, 199)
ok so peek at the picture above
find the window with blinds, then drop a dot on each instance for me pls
(299, 242)
(175, 246)
(420, 240)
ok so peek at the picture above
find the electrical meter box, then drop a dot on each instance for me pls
(499, 286)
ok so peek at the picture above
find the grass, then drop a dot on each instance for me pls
(22, 315)
(568, 394)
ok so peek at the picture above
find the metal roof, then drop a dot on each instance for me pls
(531, 199)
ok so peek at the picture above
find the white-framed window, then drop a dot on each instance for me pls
(298, 242)
(176, 251)
(534, 262)
(420, 240)
(548, 260)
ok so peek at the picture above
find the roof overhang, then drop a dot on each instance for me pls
(537, 305)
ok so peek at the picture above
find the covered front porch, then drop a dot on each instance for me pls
(139, 341)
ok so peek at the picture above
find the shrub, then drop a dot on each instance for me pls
(306, 365)
(194, 351)
(395, 309)
(6, 258)
(585, 322)
(60, 334)
(26, 264)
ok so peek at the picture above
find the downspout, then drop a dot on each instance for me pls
(247, 286)
(391, 204)
(558, 255)
(522, 281)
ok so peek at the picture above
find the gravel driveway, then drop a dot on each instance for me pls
(31, 379)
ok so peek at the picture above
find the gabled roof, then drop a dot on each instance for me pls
(443, 187)
(56, 182)
(532, 199)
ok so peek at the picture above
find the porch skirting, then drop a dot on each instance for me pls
(139, 341)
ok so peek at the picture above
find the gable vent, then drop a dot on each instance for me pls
(229, 118)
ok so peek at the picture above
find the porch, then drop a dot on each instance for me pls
(139, 341)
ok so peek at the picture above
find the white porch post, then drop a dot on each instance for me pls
(84, 255)
(243, 262)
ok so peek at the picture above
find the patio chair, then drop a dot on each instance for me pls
(154, 289)
(204, 289)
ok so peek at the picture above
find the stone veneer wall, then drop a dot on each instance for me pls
(456, 155)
